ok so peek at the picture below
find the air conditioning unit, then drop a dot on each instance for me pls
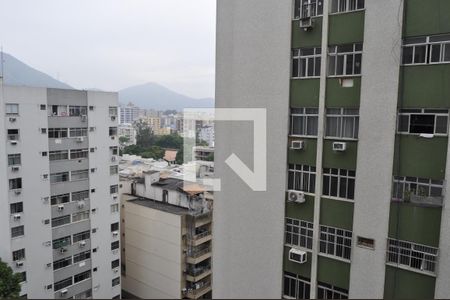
(339, 146)
(15, 168)
(116, 270)
(80, 139)
(48, 265)
(81, 204)
(297, 255)
(113, 158)
(115, 233)
(16, 217)
(113, 118)
(60, 207)
(13, 142)
(296, 196)
(63, 292)
(18, 191)
(306, 23)
(12, 119)
(83, 118)
(114, 196)
(19, 263)
(62, 250)
(82, 244)
(297, 145)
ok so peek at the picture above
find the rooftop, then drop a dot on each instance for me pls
(162, 206)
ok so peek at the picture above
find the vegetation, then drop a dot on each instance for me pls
(9, 282)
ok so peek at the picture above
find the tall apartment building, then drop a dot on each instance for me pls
(58, 186)
(357, 100)
(129, 113)
(166, 238)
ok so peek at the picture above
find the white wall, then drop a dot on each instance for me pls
(253, 71)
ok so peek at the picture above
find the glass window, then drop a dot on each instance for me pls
(302, 178)
(16, 208)
(14, 159)
(15, 184)
(335, 241)
(306, 62)
(17, 231)
(18, 255)
(345, 60)
(12, 109)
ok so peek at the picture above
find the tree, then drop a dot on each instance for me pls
(123, 140)
(9, 282)
(144, 134)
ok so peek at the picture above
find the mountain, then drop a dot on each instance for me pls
(155, 96)
(18, 73)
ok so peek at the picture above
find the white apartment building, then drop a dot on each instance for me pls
(206, 134)
(58, 184)
(128, 131)
(129, 113)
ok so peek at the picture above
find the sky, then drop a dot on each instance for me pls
(114, 44)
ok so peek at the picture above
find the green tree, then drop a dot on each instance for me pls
(173, 141)
(123, 140)
(9, 282)
(144, 134)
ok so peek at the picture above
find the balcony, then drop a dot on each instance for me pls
(199, 238)
(195, 256)
(195, 274)
(198, 290)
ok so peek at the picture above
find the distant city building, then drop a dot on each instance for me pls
(59, 192)
(129, 113)
(206, 134)
(201, 153)
(128, 131)
(166, 238)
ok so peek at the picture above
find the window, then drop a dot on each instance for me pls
(113, 170)
(82, 276)
(44, 130)
(84, 295)
(365, 242)
(296, 286)
(44, 154)
(338, 6)
(115, 245)
(114, 208)
(58, 155)
(407, 187)
(15, 183)
(57, 133)
(82, 256)
(412, 255)
(59, 199)
(82, 236)
(339, 183)
(342, 123)
(306, 62)
(417, 121)
(328, 291)
(76, 111)
(299, 233)
(78, 132)
(91, 108)
(115, 263)
(84, 215)
(113, 110)
(18, 255)
(23, 276)
(78, 196)
(17, 231)
(302, 178)
(426, 50)
(115, 281)
(57, 110)
(13, 134)
(43, 107)
(307, 8)
(335, 241)
(79, 153)
(14, 159)
(12, 109)
(63, 284)
(59, 177)
(114, 150)
(62, 242)
(112, 131)
(16, 208)
(60, 221)
(115, 227)
(114, 189)
(304, 121)
(62, 263)
(345, 59)
(79, 175)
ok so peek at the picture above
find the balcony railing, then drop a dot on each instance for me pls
(193, 253)
(198, 288)
(198, 236)
(198, 271)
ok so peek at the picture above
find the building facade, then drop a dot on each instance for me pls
(129, 132)
(166, 238)
(58, 188)
(129, 113)
(363, 135)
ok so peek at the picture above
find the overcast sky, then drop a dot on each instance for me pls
(113, 44)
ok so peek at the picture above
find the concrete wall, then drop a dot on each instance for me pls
(379, 92)
(252, 71)
(153, 252)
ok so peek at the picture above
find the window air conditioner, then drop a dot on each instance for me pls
(60, 207)
(16, 217)
(13, 142)
(63, 292)
(82, 244)
(116, 270)
(115, 233)
(15, 168)
(81, 204)
(296, 196)
(339, 146)
(18, 191)
(80, 139)
(297, 255)
(113, 158)
(19, 263)
(297, 145)
(12, 119)
(114, 196)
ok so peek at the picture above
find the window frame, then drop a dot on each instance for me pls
(328, 242)
(302, 170)
(303, 115)
(343, 115)
(335, 53)
(347, 5)
(404, 253)
(328, 172)
(14, 112)
(301, 59)
(428, 43)
(14, 159)
(300, 230)
(422, 111)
